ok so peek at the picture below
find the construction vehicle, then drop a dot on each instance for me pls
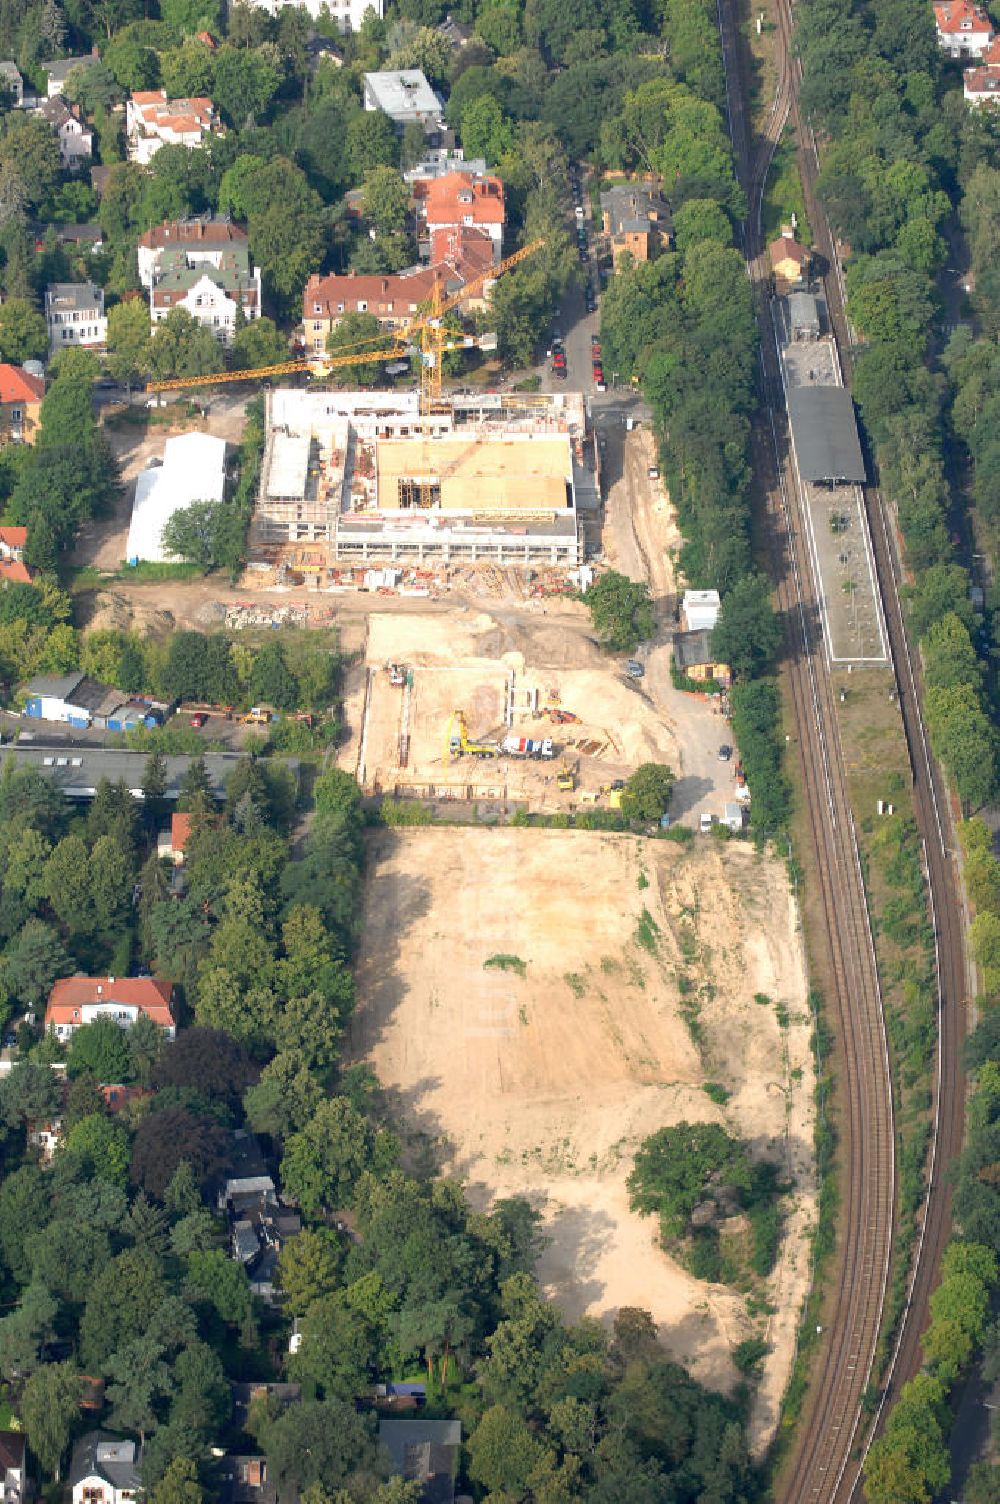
(256, 716)
(562, 717)
(565, 780)
(459, 744)
(431, 341)
(397, 674)
(527, 746)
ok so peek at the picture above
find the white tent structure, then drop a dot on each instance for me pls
(193, 469)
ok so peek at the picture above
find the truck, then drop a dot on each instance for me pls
(397, 674)
(257, 715)
(527, 746)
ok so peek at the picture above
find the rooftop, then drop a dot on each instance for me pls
(61, 297)
(957, 16)
(825, 434)
(77, 770)
(787, 248)
(459, 196)
(103, 1455)
(692, 649)
(425, 1451)
(634, 207)
(71, 994)
(59, 69)
(18, 385)
(205, 231)
(403, 94)
(476, 473)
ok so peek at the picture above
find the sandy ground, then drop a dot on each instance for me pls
(467, 660)
(544, 1084)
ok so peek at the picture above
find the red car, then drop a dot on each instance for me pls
(197, 721)
(598, 371)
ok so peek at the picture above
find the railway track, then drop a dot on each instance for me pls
(825, 1466)
(832, 1440)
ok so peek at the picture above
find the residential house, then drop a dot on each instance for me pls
(58, 70)
(21, 396)
(118, 1096)
(469, 255)
(348, 14)
(462, 200)
(12, 539)
(424, 1451)
(170, 843)
(244, 1480)
(790, 261)
(277, 1397)
(439, 163)
(74, 313)
(700, 610)
(693, 658)
(205, 239)
(75, 138)
(11, 80)
(982, 85)
(636, 219)
(13, 1466)
(213, 294)
(45, 1137)
(104, 1469)
(395, 300)
(260, 1223)
(152, 120)
(963, 29)
(404, 95)
(76, 1001)
(455, 33)
(393, 1396)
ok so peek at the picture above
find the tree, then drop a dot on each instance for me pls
(101, 1146)
(215, 1279)
(646, 795)
(49, 1406)
(272, 681)
(485, 130)
(29, 1092)
(140, 1377)
(208, 1062)
(258, 343)
(24, 1330)
(179, 1484)
(322, 1162)
(747, 634)
(676, 1168)
(23, 332)
(319, 1443)
(337, 1352)
(33, 961)
(122, 1299)
(246, 80)
(192, 532)
(503, 1453)
(128, 340)
(363, 333)
(385, 201)
(202, 1398)
(701, 219)
(982, 1486)
(99, 1050)
(179, 346)
(285, 1098)
(309, 1267)
(621, 612)
(167, 1137)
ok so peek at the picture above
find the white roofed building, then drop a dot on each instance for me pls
(403, 95)
(193, 469)
(700, 610)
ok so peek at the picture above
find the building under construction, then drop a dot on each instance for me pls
(491, 476)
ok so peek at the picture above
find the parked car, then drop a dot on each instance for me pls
(654, 472)
(634, 668)
(198, 720)
(705, 824)
(595, 343)
(578, 211)
(725, 752)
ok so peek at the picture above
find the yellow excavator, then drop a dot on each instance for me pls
(457, 742)
(565, 780)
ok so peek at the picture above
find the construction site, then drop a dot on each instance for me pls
(460, 707)
(353, 477)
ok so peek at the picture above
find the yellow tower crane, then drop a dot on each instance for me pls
(431, 340)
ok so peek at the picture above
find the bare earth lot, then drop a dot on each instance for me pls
(544, 1084)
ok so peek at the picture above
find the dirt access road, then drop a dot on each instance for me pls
(540, 1077)
(640, 538)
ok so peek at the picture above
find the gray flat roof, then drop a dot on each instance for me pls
(77, 770)
(825, 433)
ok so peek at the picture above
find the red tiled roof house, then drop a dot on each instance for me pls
(76, 1001)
